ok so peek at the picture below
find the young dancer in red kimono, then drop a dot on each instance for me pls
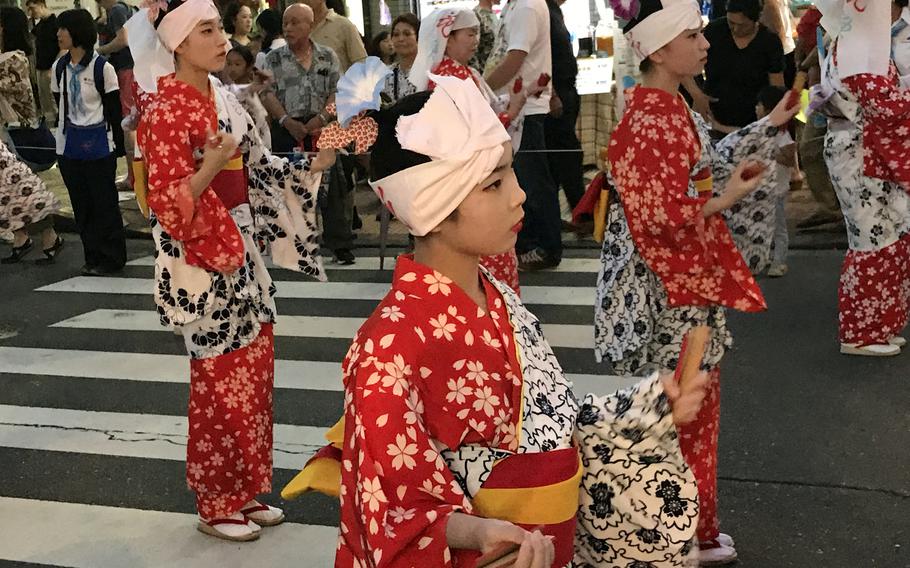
(217, 201)
(461, 434)
(669, 260)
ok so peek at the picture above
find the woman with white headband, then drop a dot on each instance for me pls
(669, 262)
(448, 40)
(868, 161)
(461, 437)
(218, 200)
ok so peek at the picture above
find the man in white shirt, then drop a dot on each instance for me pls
(522, 50)
(900, 39)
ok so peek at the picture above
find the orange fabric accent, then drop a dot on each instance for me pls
(141, 186)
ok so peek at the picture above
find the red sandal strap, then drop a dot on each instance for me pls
(254, 509)
(214, 522)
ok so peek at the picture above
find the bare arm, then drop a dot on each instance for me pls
(272, 105)
(116, 44)
(507, 69)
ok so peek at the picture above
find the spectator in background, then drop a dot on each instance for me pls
(117, 51)
(489, 26)
(900, 39)
(46, 51)
(238, 22)
(522, 50)
(812, 137)
(744, 57)
(269, 22)
(776, 16)
(718, 9)
(336, 32)
(305, 75)
(381, 46)
(405, 28)
(25, 203)
(566, 166)
(89, 177)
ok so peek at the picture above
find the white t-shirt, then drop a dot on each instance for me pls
(93, 111)
(525, 26)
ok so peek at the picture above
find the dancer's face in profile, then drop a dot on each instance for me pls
(205, 48)
(685, 56)
(462, 44)
(488, 220)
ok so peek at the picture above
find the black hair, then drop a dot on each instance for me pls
(749, 8)
(30, 2)
(269, 21)
(171, 6)
(244, 52)
(387, 156)
(15, 30)
(901, 3)
(770, 96)
(81, 27)
(408, 18)
(230, 14)
(338, 6)
(647, 7)
(374, 49)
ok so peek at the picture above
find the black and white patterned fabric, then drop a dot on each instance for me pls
(217, 312)
(634, 328)
(638, 504)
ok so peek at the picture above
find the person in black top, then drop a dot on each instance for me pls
(744, 57)
(46, 51)
(115, 48)
(559, 126)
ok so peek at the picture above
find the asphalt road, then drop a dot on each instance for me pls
(814, 466)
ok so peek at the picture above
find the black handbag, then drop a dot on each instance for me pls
(37, 147)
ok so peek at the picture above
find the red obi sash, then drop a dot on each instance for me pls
(231, 184)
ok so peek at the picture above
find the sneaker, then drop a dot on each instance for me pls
(344, 256)
(879, 350)
(714, 553)
(536, 259)
(777, 270)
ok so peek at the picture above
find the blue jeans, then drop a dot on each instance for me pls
(542, 224)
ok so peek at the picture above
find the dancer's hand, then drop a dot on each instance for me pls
(745, 179)
(219, 149)
(686, 397)
(324, 160)
(786, 109)
(535, 550)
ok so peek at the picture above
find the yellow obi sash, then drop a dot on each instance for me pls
(704, 181)
(536, 491)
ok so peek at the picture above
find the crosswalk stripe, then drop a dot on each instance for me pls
(83, 536)
(131, 435)
(558, 335)
(308, 375)
(372, 263)
(553, 295)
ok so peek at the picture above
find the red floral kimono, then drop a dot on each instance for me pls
(452, 408)
(212, 284)
(666, 267)
(866, 152)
